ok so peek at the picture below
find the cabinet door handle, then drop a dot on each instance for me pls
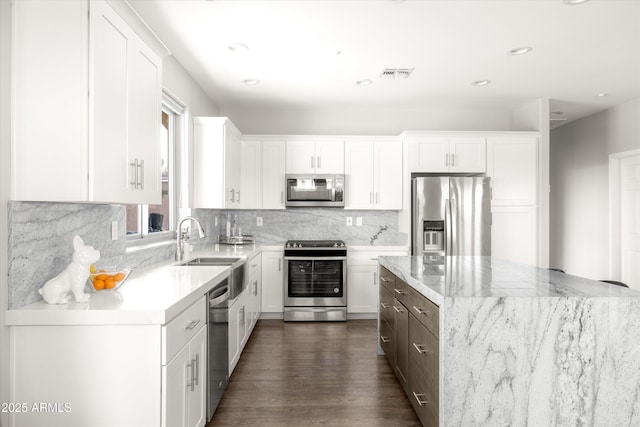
(398, 309)
(419, 399)
(420, 310)
(375, 278)
(190, 368)
(384, 305)
(377, 198)
(140, 177)
(231, 195)
(282, 197)
(420, 348)
(196, 369)
(319, 162)
(384, 339)
(453, 159)
(242, 317)
(255, 288)
(279, 264)
(446, 159)
(399, 292)
(313, 162)
(134, 183)
(371, 197)
(192, 324)
(238, 193)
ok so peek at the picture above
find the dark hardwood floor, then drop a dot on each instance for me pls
(305, 374)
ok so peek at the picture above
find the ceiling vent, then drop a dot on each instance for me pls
(393, 73)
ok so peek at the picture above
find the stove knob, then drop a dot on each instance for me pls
(296, 245)
(335, 245)
(288, 245)
(342, 245)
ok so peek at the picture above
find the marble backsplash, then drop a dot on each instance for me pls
(378, 227)
(40, 236)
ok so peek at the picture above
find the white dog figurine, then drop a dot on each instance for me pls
(73, 278)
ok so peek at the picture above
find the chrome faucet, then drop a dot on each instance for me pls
(183, 236)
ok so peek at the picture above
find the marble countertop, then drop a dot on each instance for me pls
(151, 295)
(440, 277)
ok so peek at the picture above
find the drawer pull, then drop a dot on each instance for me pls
(190, 367)
(196, 370)
(420, 310)
(399, 310)
(384, 279)
(419, 399)
(420, 348)
(384, 305)
(399, 292)
(192, 324)
(384, 339)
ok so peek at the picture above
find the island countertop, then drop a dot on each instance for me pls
(520, 345)
(439, 277)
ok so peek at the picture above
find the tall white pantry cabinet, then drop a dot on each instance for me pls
(87, 105)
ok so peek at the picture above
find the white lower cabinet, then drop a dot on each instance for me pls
(362, 279)
(244, 311)
(237, 330)
(184, 385)
(111, 375)
(273, 282)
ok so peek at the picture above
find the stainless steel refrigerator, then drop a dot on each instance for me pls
(451, 216)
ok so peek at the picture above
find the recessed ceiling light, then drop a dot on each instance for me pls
(574, 2)
(481, 82)
(520, 50)
(365, 82)
(251, 82)
(238, 47)
(602, 94)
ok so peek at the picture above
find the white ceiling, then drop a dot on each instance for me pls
(309, 53)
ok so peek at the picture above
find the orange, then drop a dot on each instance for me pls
(102, 277)
(98, 285)
(109, 283)
(118, 277)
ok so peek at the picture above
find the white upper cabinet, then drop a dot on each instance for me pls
(251, 174)
(373, 171)
(87, 109)
(126, 85)
(315, 157)
(447, 154)
(512, 164)
(216, 163)
(273, 174)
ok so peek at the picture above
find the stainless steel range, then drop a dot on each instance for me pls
(315, 280)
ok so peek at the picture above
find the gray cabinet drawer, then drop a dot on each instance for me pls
(387, 279)
(423, 396)
(425, 311)
(424, 349)
(401, 291)
(386, 306)
(387, 342)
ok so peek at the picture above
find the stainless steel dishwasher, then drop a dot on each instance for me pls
(218, 345)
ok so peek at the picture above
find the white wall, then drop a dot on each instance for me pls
(5, 143)
(579, 187)
(367, 120)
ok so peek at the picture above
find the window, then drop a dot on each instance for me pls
(157, 221)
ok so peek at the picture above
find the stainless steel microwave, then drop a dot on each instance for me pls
(315, 191)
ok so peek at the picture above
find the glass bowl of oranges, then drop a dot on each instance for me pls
(106, 279)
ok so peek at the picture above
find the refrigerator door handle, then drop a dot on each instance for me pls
(453, 213)
(447, 227)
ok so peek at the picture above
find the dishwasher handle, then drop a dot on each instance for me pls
(220, 297)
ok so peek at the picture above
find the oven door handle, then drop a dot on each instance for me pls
(315, 258)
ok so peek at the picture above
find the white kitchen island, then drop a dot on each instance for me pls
(518, 345)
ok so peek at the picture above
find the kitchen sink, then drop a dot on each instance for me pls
(211, 261)
(237, 276)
